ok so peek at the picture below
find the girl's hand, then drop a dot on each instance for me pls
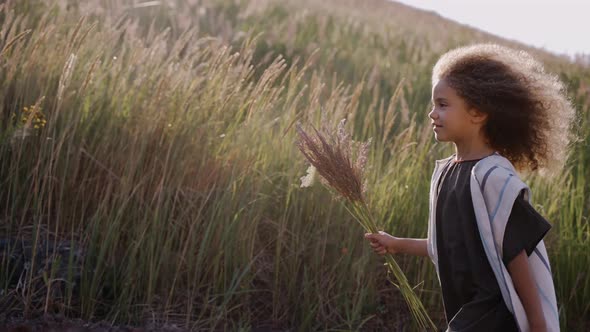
(383, 243)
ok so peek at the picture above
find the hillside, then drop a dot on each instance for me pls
(150, 175)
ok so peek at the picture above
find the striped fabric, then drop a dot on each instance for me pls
(494, 188)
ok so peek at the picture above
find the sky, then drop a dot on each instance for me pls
(561, 27)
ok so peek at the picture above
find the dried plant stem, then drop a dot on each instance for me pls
(360, 211)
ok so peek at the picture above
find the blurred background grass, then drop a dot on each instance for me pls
(149, 172)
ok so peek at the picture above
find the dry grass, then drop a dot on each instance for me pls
(167, 157)
(342, 167)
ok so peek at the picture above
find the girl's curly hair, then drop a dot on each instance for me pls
(530, 118)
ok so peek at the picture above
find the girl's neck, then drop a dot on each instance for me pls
(472, 151)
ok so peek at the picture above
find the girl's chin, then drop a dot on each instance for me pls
(439, 138)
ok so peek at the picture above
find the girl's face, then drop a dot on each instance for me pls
(452, 119)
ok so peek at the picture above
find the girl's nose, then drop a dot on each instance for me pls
(431, 114)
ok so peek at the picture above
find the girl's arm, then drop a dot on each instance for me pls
(384, 243)
(525, 286)
(416, 247)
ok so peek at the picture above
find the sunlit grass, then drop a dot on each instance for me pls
(165, 154)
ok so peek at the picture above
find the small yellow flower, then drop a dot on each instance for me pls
(33, 116)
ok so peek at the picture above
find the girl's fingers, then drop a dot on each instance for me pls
(378, 249)
(368, 237)
(377, 246)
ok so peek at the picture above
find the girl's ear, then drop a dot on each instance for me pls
(477, 116)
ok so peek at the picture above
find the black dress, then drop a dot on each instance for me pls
(471, 296)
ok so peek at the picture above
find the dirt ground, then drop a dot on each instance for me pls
(55, 324)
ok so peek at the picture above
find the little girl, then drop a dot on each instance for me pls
(501, 110)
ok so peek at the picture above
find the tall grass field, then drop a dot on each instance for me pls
(149, 172)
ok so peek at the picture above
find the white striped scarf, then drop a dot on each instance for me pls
(495, 186)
